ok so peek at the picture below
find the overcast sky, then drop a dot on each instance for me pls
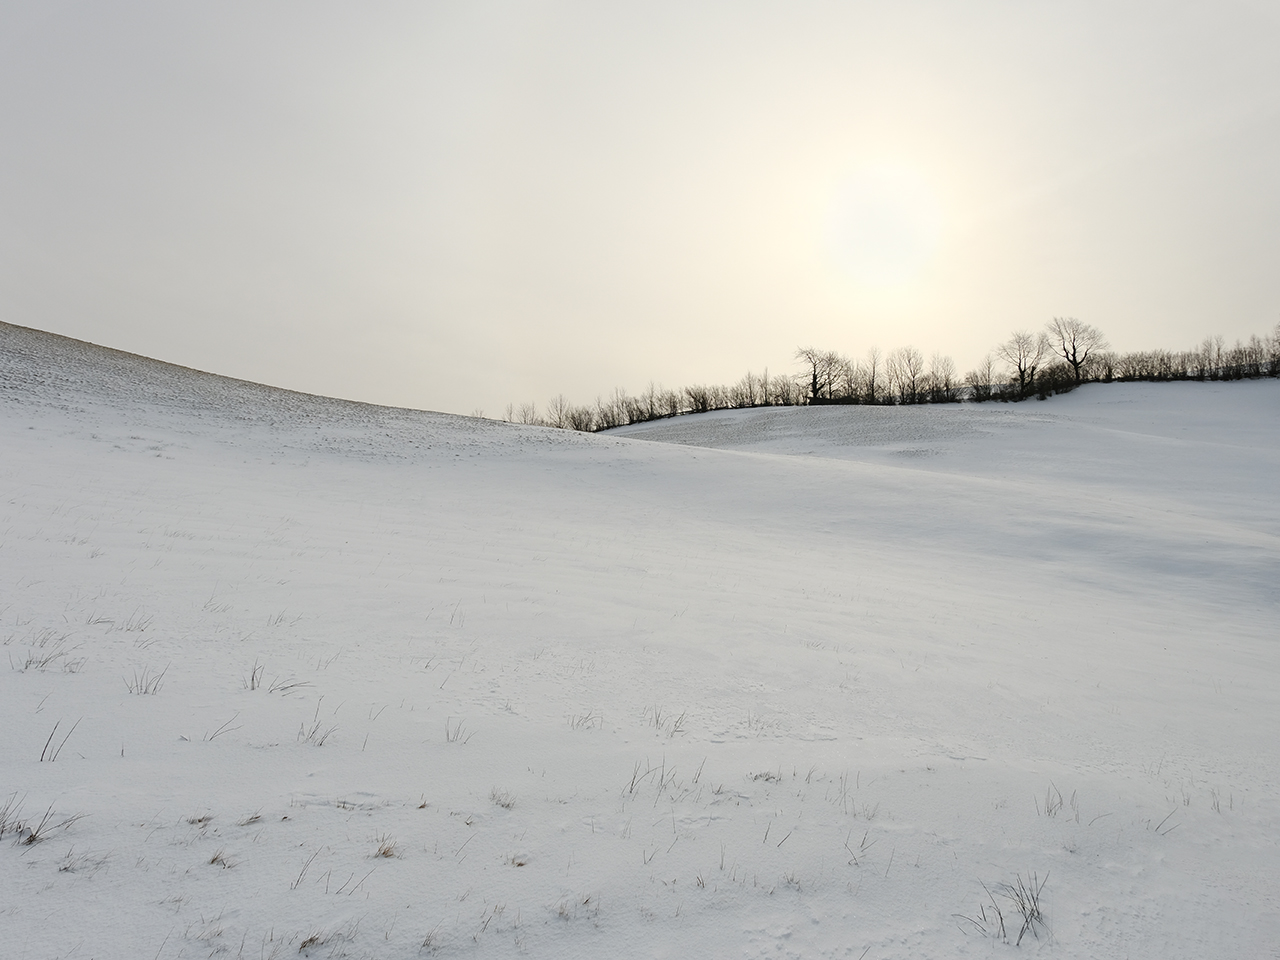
(460, 205)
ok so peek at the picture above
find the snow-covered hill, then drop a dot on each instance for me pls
(295, 675)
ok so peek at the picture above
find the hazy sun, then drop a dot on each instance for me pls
(884, 226)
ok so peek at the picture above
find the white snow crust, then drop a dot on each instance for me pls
(319, 678)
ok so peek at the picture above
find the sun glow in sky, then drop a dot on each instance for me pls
(457, 206)
(884, 228)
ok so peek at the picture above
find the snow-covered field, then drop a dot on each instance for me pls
(286, 675)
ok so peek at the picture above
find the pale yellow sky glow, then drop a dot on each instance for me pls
(883, 230)
(456, 206)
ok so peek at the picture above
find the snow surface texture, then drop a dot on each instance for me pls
(326, 679)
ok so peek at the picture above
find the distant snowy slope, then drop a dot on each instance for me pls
(1231, 429)
(40, 370)
(1190, 450)
(321, 678)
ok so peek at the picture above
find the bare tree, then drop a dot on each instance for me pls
(872, 370)
(913, 366)
(746, 392)
(1070, 352)
(1024, 352)
(942, 379)
(650, 399)
(824, 370)
(851, 379)
(892, 376)
(558, 411)
(981, 382)
(581, 418)
(906, 370)
(699, 398)
(1253, 356)
(1212, 351)
(610, 413)
(813, 359)
(784, 392)
(1102, 366)
(1075, 342)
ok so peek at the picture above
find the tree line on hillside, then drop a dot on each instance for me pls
(1059, 358)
